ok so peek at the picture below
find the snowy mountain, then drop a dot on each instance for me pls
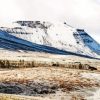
(49, 37)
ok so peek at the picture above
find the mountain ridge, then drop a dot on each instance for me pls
(55, 35)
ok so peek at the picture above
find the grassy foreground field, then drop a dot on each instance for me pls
(40, 76)
(45, 83)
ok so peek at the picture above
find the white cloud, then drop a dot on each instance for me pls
(78, 13)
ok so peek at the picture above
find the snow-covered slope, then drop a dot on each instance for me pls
(58, 35)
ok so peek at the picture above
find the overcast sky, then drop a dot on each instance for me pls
(78, 13)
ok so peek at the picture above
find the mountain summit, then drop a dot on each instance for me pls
(49, 37)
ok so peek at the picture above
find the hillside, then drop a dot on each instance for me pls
(56, 37)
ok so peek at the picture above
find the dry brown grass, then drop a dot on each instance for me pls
(31, 64)
(67, 80)
(77, 97)
(17, 97)
(74, 83)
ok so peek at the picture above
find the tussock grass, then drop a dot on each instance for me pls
(16, 64)
(17, 97)
(31, 64)
(73, 83)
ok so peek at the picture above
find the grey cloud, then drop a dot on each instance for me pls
(78, 13)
